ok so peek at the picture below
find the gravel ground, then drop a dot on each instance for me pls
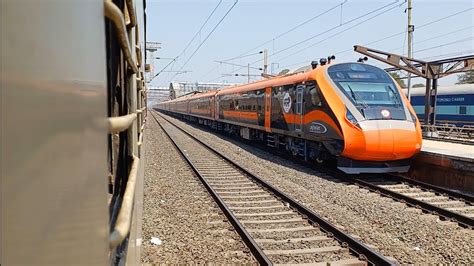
(396, 230)
(211, 165)
(180, 212)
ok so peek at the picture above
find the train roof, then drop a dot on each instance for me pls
(445, 90)
(279, 80)
(203, 94)
(298, 77)
(261, 84)
(192, 96)
(179, 99)
(265, 83)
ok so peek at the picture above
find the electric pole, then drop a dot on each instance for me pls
(151, 48)
(248, 73)
(410, 29)
(265, 61)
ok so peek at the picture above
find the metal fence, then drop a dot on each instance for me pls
(464, 134)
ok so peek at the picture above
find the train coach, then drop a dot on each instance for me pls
(73, 113)
(454, 104)
(352, 112)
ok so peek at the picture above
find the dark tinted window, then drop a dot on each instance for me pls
(365, 85)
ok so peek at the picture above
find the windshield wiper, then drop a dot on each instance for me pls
(357, 97)
(397, 101)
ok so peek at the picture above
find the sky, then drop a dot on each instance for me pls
(338, 26)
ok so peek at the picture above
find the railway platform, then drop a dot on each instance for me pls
(462, 152)
(445, 164)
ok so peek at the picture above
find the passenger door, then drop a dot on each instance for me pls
(299, 108)
(216, 103)
(212, 105)
(268, 108)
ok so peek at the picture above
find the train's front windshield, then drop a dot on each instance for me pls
(365, 85)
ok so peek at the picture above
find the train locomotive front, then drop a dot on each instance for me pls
(378, 124)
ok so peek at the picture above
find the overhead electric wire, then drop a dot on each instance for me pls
(192, 39)
(445, 44)
(292, 29)
(335, 27)
(210, 71)
(442, 35)
(337, 33)
(207, 37)
(405, 40)
(400, 33)
(314, 36)
(163, 69)
(232, 64)
(205, 22)
(461, 53)
(338, 26)
(435, 37)
(239, 57)
(381, 39)
(443, 18)
(403, 32)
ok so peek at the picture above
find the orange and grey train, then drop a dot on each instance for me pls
(352, 112)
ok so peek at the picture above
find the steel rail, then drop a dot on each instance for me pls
(434, 188)
(461, 219)
(112, 12)
(427, 207)
(257, 252)
(355, 245)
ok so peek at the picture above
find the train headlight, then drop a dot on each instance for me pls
(385, 113)
(351, 118)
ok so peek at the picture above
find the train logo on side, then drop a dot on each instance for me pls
(317, 128)
(287, 102)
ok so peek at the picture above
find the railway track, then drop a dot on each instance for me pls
(276, 228)
(448, 205)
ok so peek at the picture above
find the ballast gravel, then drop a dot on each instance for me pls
(179, 212)
(394, 229)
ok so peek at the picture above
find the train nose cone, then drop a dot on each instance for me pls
(389, 139)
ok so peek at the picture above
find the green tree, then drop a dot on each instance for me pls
(396, 76)
(466, 78)
(418, 85)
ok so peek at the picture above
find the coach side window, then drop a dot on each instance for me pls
(462, 110)
(314, 93)
(315, 99)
